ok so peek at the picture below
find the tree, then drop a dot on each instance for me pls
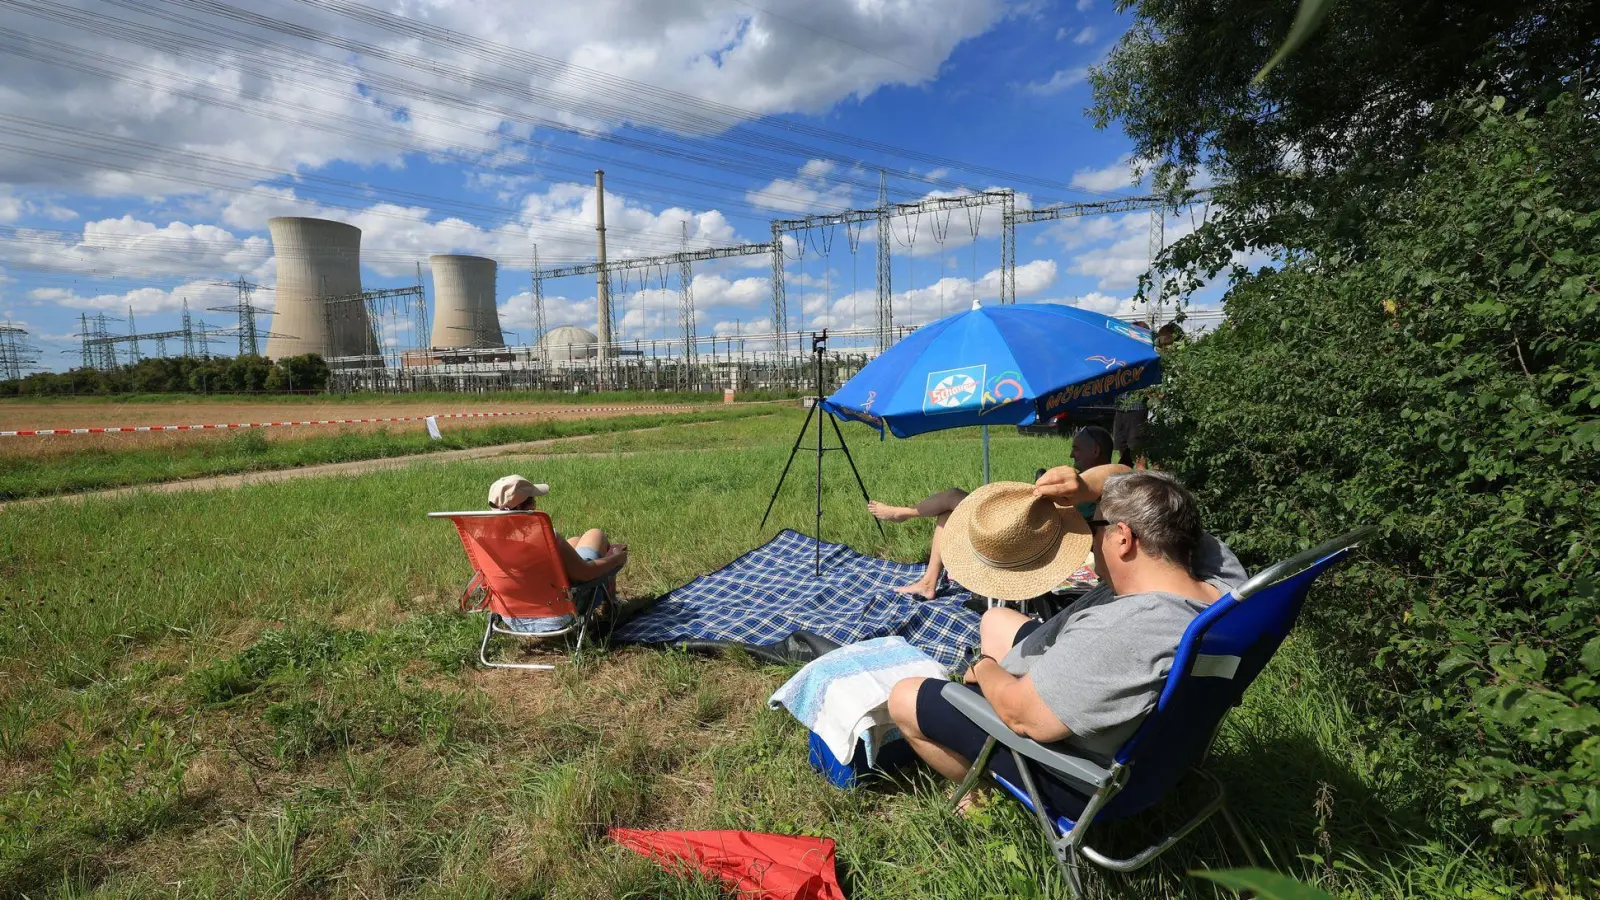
(1305, 155)
(1444, 383)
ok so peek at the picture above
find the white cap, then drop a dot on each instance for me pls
(512, 491)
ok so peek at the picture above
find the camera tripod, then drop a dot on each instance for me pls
(819, 343)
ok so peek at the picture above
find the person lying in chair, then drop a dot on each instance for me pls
(587, 559)
(1091, 673)
(1091, 448)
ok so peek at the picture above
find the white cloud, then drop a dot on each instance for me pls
(362, 92)
(809, 192)
(1086, 35)
(1083, 5)
(816, 168)
(1114, 177)
(1106, 304)
(200, 295)
(921, 305)
(1062, 34)
(1060, 81)
(13, 208)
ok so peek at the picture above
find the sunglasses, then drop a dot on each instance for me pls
(1102, 523)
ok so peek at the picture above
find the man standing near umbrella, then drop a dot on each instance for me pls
(1091, 449)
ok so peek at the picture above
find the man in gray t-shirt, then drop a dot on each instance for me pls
(1100, 664)
(1092, 673)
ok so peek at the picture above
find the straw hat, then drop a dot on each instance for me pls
(1003, 542)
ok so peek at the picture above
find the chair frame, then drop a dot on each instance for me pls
(580, 620)
(1102, 781)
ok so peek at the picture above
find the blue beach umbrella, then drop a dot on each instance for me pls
(998, 365)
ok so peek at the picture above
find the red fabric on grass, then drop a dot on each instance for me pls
(767, 866)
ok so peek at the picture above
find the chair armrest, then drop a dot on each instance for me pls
(1086, 774)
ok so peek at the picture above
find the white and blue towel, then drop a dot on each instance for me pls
(843, 695)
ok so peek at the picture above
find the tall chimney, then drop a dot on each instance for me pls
(602, 281)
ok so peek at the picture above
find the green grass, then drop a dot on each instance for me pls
(450, 398)
(263, 692)
(92, 467)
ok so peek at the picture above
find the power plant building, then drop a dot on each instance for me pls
(567, 343)
(464, 312)
(318, 259)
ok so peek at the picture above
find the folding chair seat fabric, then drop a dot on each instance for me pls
(1221, 653)
(518, 566)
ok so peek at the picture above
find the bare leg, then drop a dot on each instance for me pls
(931, 508)
(903, 709)
(928, 585)
(997, 631)
(594, 539)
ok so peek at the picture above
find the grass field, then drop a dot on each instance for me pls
(440, 398)
(264, 692)
(81, 463)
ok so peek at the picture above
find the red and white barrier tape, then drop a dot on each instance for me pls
(42, 432)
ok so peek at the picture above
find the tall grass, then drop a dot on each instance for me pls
(263, 692)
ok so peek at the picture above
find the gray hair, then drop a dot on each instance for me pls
(1103, 444)
(1162, 513)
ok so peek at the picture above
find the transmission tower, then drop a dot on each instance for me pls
(538, 300)
(780, 294)
(133, 339)
(420, 327)
(16, 356)
(99, 344)
(247, 332)
(188, 331)
(885, 288)
(1158, 243)
(686, 305)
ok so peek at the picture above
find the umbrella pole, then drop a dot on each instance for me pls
(985, 454)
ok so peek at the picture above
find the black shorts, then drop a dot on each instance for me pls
(942, 724)
(1127, 428)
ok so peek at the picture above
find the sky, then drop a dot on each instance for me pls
(144, 144)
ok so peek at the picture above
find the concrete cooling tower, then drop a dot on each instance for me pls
(317, 258)
(464, 314)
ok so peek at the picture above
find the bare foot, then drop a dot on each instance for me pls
(890, 513)
(920, 587)
(973, 800)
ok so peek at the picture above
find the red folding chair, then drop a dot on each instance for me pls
(517, 566)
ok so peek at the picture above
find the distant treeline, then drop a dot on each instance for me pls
(181, 375)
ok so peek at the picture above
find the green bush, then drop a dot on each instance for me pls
(181, 374)
(1445, 384)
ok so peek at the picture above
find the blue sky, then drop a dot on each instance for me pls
(144, 154)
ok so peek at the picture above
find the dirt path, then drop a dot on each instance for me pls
(360, 467)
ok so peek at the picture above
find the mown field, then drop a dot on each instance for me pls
(35, 466)
(265, 692)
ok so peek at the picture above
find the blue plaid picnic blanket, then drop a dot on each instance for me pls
(771, 592)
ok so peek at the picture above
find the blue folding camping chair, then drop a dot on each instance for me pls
(1223, 650)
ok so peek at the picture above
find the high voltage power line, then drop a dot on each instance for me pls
(628, 94)
(636, 116)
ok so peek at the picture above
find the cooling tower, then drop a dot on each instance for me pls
(464, 313)
(317, 258)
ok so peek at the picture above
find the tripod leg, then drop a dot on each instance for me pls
(797, 439)
(857, 472)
